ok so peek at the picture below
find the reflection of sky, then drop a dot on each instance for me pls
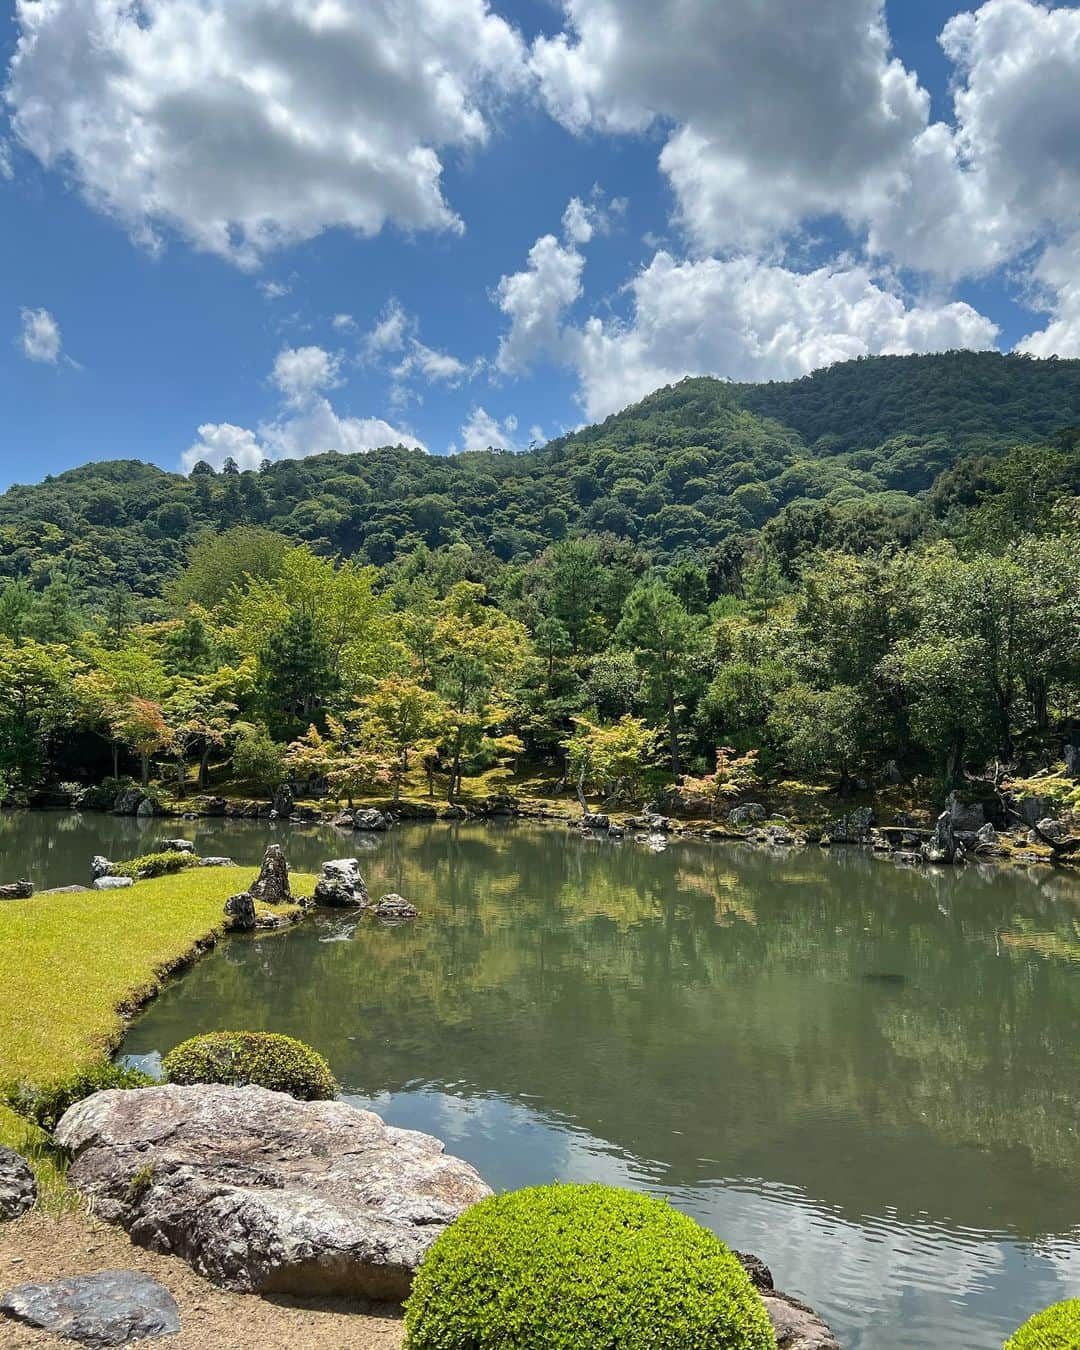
(882, 1284)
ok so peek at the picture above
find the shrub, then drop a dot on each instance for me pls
(257, 758)
(261, 1057)
(155, 865)
(1056, 1328)
(103, 796)
(45, 1105)
(567, 1266)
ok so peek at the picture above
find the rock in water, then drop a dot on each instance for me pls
(340, 886)
(18, 1189)
(283, 801)
(112, 1307)
(240, 912)
(395, 908)
(370, 819)
(263, 1193)
(272, 883)
(795, 1325)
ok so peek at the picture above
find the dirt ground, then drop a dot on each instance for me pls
(39, 1247)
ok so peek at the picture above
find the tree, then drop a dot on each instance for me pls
(295, 674)
(105, 691)
(822, 730)
(609, 759)
(37, 703)
(198, 712)
(664, 639)
(140, 724)
(399, 715)
(733, 776)
(257, 758)
(219, 564)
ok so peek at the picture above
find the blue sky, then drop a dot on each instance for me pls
(301, 226)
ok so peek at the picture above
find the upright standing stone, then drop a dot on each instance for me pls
(272, 884)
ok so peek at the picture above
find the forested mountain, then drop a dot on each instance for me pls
(856, 456)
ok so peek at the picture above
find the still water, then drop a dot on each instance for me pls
(867, 1074)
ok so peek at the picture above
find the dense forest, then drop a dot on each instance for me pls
(873, 571)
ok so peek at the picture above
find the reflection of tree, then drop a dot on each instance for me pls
(703, 1004)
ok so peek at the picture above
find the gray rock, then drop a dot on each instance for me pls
(344, 820)
(112, 884)
(395, 909)
(749, 813)
(263, 1193)
(1053, 829)
(854, 828)
(369, 819)
(942, 847)
(112, 1307)
(966, 815)
(594, 821)
(177, 845)
(18, 1189)
(240, 912)
(283, 800)
(340, 885)
(1032, 809)
(1072, 761)
(146, 808)
(455, 812)
(216, 862)
(795, 1325)
(64, 890)
(17, 890)
(987, 835)
(100, 867)
(127, 801)
(272, 883)
(616, 832)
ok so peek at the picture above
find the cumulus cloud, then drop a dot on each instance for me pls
(535, 301)
(40, 337)
(308, 424)
(483, 431)
(300, 372)
(246, 125)
(1058, 273)
(390, 330)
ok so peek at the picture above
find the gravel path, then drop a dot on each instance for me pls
(38, 1247)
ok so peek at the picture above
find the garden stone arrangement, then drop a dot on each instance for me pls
(18, 1190)
(263, 1193)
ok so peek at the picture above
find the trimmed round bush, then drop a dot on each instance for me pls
(569, 1266)
(264, 1058)
(1056, 1328)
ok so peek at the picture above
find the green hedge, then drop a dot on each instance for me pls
(260, 1057)
(155, 865)
(569, 1266)
(1056, 1328)
(45, 1105)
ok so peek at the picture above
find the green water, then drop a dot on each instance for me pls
(865, 1073)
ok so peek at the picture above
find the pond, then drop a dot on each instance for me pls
(865, 1073)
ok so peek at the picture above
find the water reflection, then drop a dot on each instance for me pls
(865, 1072)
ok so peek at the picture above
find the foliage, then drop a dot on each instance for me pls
(257, 758)
(260, 1057)
(609, 759)
(734, 776)
(1056, 1328)
(47, 1164)
(151, 865)
(567, 1266)
(45, 1105)
(86, 956)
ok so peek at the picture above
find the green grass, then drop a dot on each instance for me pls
(49, 1167)
(74, 964)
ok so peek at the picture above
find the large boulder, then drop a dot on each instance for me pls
(177, 846)
(854, 828)
(111, 1307)
(749, 813)
(283, 802)
(18, 1189)
(263, 1193)
(967, 817)
(17, 890)
(112, 883)
(394, 908)
(368, 818)
(340, 885)
(272, 884)
(127, 801)
(240, 912)
(100, 867)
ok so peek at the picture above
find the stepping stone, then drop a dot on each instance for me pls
(109, 1308)
(18, 1189)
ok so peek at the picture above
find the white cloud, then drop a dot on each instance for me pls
(274, 290)
(7, 169)
(219, 441)
(300, 372)
(344, 323)
(1058, 273)
(247, 125)
(434, 366)
(390, 331)
(40, 337)
(535, 301)
(482, 431)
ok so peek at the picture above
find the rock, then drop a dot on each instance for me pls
(395, 909)
(854, 828)
(455, 812)
(344, 820)
(1032, 809)
(112, 1307)
(17, 890)
(1053, 829)
(616, 832)
(272, 883)
(18, 1189)
(987, 835)
(216, 862)
(1072, 761)
(211, 806)
(945, 845)
(597, 821)
(749, 813)
(146, 808)
(966, 815)
(369, 819)
(263, 1193)
(100, 867)
(177, 846)
(64, 890)
(795, 1325)
(340, 885)
(283, 800)
(240, 911)
(417, 810)
(127, 802)
(112, 883)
